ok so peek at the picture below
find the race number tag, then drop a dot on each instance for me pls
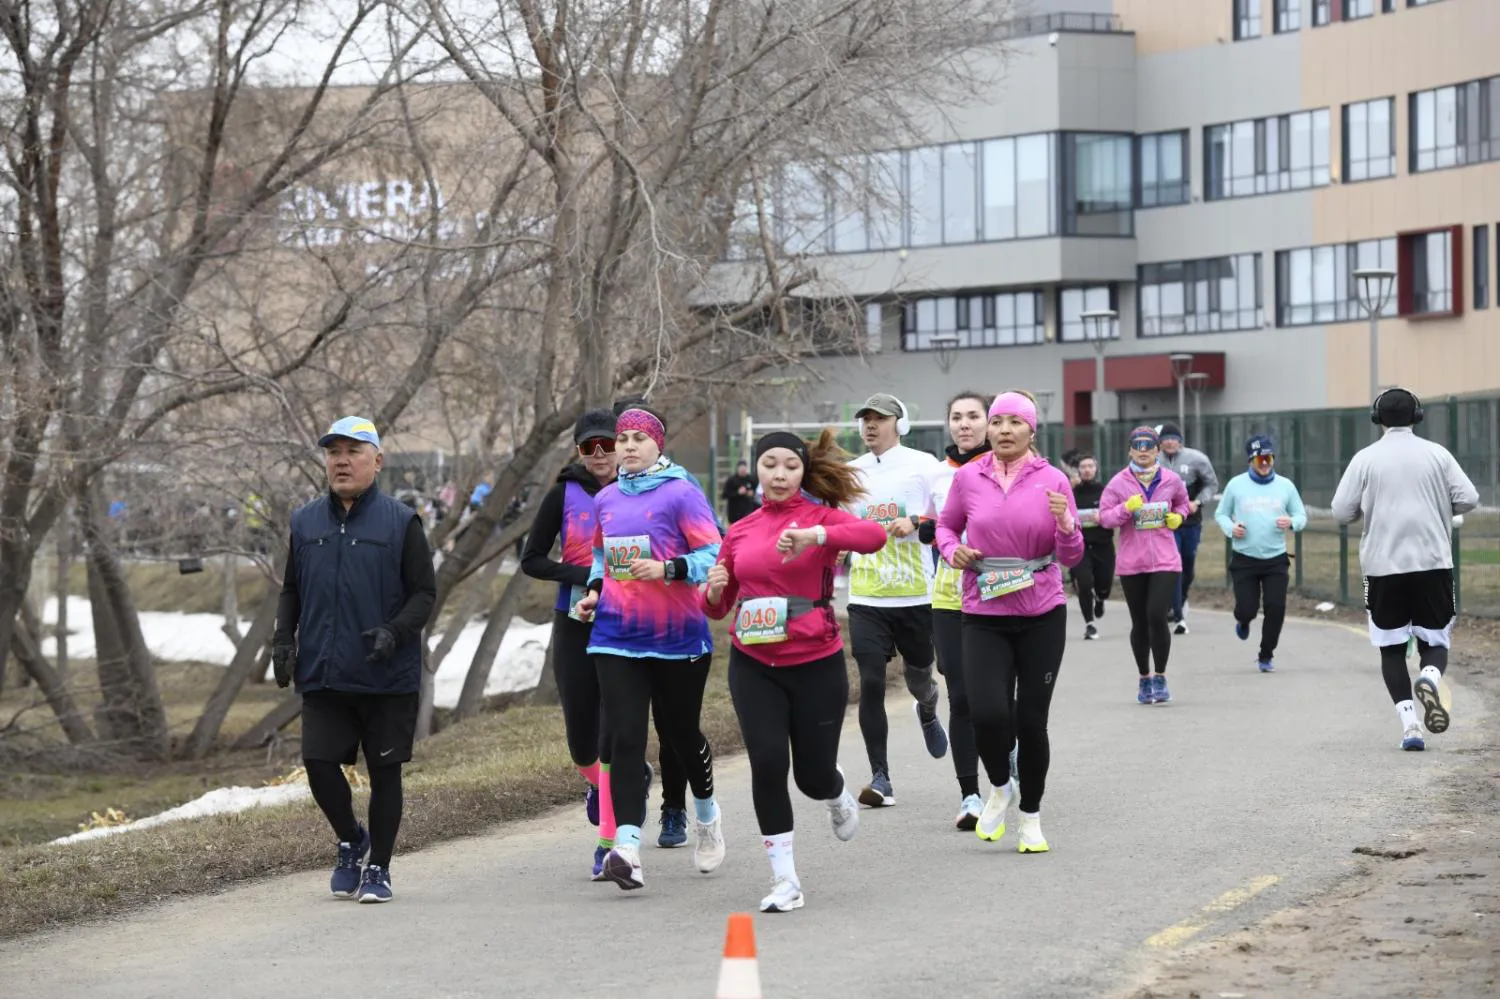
(885, 513)
(577, 594)
(998, 582)
(761, 621)
(1089, 517)
(1151, 516)
(620, 552)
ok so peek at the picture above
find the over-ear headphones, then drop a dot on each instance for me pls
(903, 422)
(1375, 406)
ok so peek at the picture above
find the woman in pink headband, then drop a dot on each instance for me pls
(1010, 525)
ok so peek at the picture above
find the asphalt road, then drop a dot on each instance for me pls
(1169, 825)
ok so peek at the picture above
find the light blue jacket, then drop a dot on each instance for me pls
(1258, 505)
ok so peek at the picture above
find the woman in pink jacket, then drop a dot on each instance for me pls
(1010, 522)
(1147, 503)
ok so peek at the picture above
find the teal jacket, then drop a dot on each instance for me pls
(1257, 505)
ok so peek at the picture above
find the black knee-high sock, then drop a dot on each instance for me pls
(385, 812)
(331, 791)
(1393, 669)
(1432, 655)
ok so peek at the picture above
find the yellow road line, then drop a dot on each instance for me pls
(1179, 933)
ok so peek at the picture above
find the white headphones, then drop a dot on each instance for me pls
(903, 422)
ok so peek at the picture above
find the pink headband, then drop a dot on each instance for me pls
(639, 419)
(1014, 404)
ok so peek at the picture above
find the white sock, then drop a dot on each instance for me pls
(1432, 673)
(779, 849)
(1408, 713)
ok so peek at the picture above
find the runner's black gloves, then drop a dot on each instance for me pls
(284, 662)
(382, 643)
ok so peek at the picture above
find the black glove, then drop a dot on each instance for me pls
(382, 643)
(284, 662)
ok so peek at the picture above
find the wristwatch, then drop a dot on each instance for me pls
(669, 568)
(822, 534)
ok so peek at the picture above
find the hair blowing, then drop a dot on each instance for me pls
(828, 474)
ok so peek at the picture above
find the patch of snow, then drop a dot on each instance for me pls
(219, 801)
(517, 665)
(1325, 607)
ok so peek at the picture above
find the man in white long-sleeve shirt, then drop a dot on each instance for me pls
(1408, 490)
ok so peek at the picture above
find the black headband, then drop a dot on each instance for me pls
(781, 438)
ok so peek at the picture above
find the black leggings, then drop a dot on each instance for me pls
(1149, 596)
(1094, 577)
(1011, 666)
(1393, 666)
(948, 642)
(791, 717)
(1261, 583)
(629, 687)
(876, 635)
(583, 721)
(331, 791)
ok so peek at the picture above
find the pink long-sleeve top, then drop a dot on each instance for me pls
(1002, 510)
(756, 569)
(1141, 548)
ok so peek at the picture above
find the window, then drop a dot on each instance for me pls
(1266, 155)
(1370, 139)
(960, 192)
(1454, 126)
(1017, 188)
(1246, 19)
(1072, 303)
(989, 320)
(924, 184)
(802, 210)
(1322, 12)
(1431, 266)
(887, 198)
(1317, 284)
(1215, 295)
(1481, 267)
(1098, 185)
(1355, 10)
(874, 326)
(1162, 169)
(1288, 16)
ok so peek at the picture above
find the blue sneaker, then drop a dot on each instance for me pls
(1242, 630)
(1159, 692)
(376, 886)
(345, 880)
(1143, 693)
(591, 805)
(600, 852)
(878, 793)
(673, 828)
(1412, 741)
(1266, 665)
(932, 732)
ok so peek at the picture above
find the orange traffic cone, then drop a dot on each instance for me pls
(739, 975)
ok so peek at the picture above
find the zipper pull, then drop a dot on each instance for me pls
(341, 527)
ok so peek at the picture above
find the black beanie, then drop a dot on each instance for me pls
(1169, 430)
(1396, 408)
(594, 424)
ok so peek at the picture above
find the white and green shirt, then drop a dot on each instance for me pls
(899, 483)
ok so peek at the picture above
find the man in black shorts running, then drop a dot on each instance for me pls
(357, 591)
(1408, 490)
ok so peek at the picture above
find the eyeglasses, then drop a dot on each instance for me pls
(594, 448)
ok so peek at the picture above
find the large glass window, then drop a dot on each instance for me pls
(1454, 126)
(1355, 10)
(1098, 186)
(1246, 19)
(1034, 200)
(1322, 12)
(1215, 295)
(1266, 155)
(924, 183)
(1370, 139)
(1288, 16)
(1005, 319)
(887, 201)
(1000, 189)
(803, 210)
(1072, 303)
(1316, 284)
(1481, 267)
(1432, 272)
(850, 180)
(960, 192)
(1162, 166)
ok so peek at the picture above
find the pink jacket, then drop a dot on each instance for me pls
(1145, 550)
(1014, 524)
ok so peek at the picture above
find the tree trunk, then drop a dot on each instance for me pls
(27, 649)
(472, 697)
(546, 694)
(246, 658)
(478, 597)
(232, 600)
(64, 588)
(278, 718)
(425, 693)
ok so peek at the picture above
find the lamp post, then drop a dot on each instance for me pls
(1197, 382)
(946, 345)
(1374, 285)
(1044, 399)
(1182, 366)
(1096, 324)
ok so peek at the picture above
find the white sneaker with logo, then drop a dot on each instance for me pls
(785, 896)
(991, 825)
(709, 852)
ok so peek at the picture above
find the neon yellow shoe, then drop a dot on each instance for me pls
(991, 826)
(1030, 832)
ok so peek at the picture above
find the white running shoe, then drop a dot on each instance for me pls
(1030, 833)
(991, 824)
(843, 813)
(785, 896)
(709, 852)
(622, 865)
(968, 813)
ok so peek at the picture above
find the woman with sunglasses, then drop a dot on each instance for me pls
(655, 538)
(1147, 502)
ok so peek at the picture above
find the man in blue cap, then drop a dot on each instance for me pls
(357, 591)
(1256, 510)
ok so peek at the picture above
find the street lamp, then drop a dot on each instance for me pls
(1375, 285)
(946, 345)
(1182, 366)
(1198, 381)
(1096, 325)
(1044, 399)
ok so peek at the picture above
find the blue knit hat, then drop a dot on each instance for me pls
(1260, 445)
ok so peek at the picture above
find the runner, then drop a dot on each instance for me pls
(1197, 474)
(968, 424)
(1009, 519)
(1407, 490)
(654, 542)
(1256, 510)
(1147, 503)
(786, 668)
(566, 514)
(890, 597)
(1094, 576)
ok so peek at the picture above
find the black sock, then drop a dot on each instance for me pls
(331, 791)
(385, 812)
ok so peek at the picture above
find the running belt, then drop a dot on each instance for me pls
(795, 606)
(1011, 564)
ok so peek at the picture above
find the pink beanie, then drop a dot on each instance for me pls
(1014, 404)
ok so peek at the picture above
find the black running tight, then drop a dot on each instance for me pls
(1149, 596)
(1393, 666)
(331, 791)
(948, 642)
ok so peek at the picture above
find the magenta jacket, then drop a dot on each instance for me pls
(1149, 550)
(1014, 524)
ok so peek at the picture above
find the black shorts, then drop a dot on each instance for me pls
(1410, 600)
(335, 725)
(884, 631)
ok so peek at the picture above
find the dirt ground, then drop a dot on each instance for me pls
(1418, 917)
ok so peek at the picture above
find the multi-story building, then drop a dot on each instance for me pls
(1214, 171)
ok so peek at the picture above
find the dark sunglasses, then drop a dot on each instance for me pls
(597, 446)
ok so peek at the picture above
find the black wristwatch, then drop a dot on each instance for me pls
(669, 569)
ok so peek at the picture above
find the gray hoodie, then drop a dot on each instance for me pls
(1197, 474)
(1407, 489)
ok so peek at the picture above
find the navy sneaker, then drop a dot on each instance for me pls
(591, 805)
(376, 886)
(878, 793)
(600, 852)
(673, 828)
(1159, 692)
(1242, 630)
(1143, 692)
(345, 880)
(1266, 665)
(932, 732)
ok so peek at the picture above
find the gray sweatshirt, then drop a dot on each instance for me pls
(1197, 474)
(1407, 489)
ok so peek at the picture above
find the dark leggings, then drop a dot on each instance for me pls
(876, 634)
(1393, 666)
(1149, 597)
(583, 721)
(948, 642)
(629, 687)
(791, 717)
(1094, 577)
(1261, 583)
(331, 791)
(1010, 667)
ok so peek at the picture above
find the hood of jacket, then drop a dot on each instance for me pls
(959, 459)
(576, 472)
(647, 479)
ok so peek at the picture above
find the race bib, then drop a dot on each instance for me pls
(1151, 516)
(1089, 517)
(762, 621)
(885, 513)
(998, 582)
(578, 594)
(620, 552)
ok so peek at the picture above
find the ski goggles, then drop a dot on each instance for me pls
(596, 446)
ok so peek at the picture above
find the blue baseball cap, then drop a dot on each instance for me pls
(355, 428)
(1261, 445)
